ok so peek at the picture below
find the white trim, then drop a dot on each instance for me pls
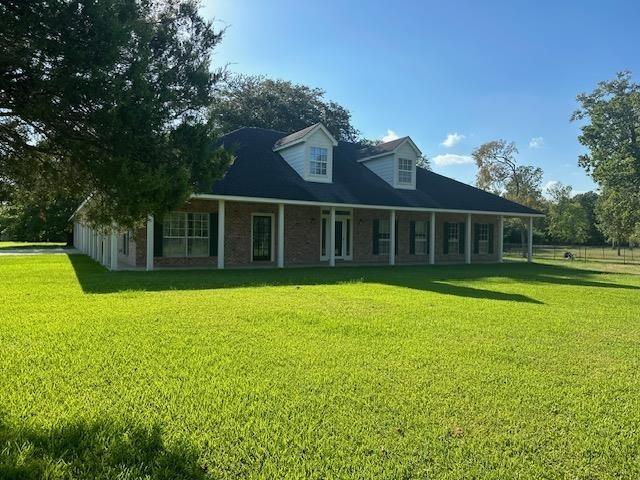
(114, 250)
(530, 241)
(467, 240)
(150, 222)
(396, 173)
(220, 234)
(392, 237)
(500, 238)
(432, 239)
(281, 235)
(332, 237)
(237, 198)
(272, 253)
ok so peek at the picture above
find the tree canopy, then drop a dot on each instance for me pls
(108, 98)
(611, 132)
(500, 173)
(258, 101)
(567, 218)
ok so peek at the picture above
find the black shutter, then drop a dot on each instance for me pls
(491, 238)
(397, 239)
(476, 238)
(157, 238)
(213, 234)
(412, 237)
(461, 231)
(429, 237)
(445, 237)
(376, 234)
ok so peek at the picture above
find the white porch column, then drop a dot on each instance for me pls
(530, 241)
(150, 243)
(332, 238)
(114, 250)
(500, 238)
(100, 248)
(392, 237)
(280, 235)
(467, 240)
(221, 234)
(432, 239)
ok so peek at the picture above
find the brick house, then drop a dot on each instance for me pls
(307, 199)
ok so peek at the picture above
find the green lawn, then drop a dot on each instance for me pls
(497, 371)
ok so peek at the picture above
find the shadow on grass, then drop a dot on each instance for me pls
(32, 246)
(442, 279)
(93, 450)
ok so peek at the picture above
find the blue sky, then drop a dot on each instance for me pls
(466, 71)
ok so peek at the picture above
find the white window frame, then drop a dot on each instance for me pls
(186, 235)
(420, 240)
(403, 170)
(453, 240)
(483, 238)
(314, 161)
(273, 237)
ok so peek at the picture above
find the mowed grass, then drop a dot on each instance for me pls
(494, 371)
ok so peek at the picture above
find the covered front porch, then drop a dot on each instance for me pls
(234, 233)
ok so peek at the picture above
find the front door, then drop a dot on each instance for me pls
(343, 235)
(262, 238)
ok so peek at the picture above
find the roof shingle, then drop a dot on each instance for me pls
(260, 172)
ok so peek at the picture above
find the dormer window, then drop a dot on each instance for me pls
(309, 152)
(405, 171)
(318, 161)
(394, 162)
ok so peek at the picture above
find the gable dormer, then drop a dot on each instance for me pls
(395, 162)
(309, 152)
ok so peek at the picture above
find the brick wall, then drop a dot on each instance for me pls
(443, 218)
(302, 236)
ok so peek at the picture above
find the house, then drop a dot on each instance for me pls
(306, 199)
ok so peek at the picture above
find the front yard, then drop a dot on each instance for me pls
(497, 371)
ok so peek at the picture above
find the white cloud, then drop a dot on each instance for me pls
(452, 139)
(452, 159)
(536, 142)
(550, 184)
(391, 135)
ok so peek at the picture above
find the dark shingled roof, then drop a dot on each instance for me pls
(292, 137)
(258, 171)
(381, 148)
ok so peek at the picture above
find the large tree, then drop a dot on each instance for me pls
(108, 97)
(258, 101)
(567, 219)
(611, 133)
(499, 172)
(617, 214)
(588, 201)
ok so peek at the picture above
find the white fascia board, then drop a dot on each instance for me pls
(80, 207)
(234, 198)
